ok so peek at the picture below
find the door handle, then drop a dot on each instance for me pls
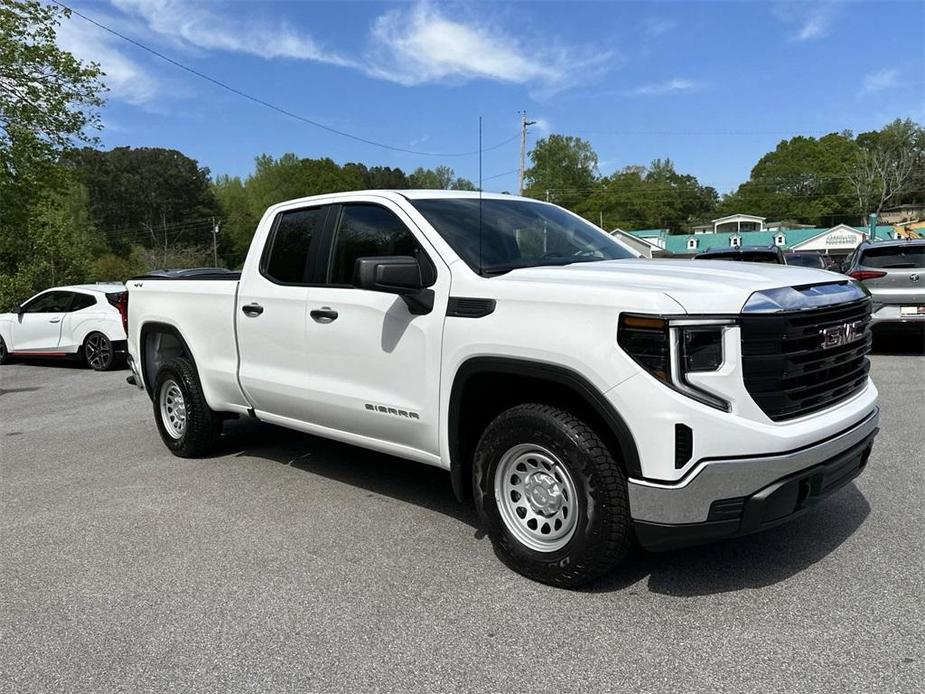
(55, 320)
(252, 310)
(324, 315)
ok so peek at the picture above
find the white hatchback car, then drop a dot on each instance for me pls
(80, 322)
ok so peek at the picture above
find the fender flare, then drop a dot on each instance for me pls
(156, 326)
(563, 376)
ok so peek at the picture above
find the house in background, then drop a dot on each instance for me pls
(903, 213)
(748, 230)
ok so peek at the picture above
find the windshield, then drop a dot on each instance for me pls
(516, 234)
(806, 260)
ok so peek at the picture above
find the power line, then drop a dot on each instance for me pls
(267, 104)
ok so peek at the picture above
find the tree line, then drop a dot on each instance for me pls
(71, 212)
(837, 178)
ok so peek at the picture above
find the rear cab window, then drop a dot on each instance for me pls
(287, 256)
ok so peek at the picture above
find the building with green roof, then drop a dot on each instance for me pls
(838, 241)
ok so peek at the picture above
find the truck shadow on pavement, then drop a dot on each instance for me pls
(750, 562)
(753, 561)
(403, 480)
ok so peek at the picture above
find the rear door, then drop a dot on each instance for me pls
(903, 267)
(38, 327)
(271, 314)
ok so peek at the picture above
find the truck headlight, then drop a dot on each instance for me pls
(671, 348)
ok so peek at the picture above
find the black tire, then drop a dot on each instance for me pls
(202, 427)
(602, 532)
(98, 353)
(5, 357)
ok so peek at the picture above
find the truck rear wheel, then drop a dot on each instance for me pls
(188, 427)
(551, 496)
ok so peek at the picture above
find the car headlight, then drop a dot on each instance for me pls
(671, 348)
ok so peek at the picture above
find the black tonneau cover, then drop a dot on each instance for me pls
(196, 273)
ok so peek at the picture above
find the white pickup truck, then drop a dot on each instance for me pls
(583, 397)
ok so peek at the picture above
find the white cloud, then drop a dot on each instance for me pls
(541, 126)
(878, 81)
(811, 20)
(676, 85)
(658, 26)
(419, 45)
(411, 45)
(196, 26)
(127, 80)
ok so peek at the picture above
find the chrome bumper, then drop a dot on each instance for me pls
(689, 499)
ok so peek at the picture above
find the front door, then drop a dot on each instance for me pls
(271, 315)
(372, 367)
(38, 327)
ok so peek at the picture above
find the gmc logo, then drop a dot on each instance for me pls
(844, 334)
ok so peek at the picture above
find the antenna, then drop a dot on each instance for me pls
(480, 195)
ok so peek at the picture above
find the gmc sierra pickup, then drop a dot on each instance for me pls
(584, 398)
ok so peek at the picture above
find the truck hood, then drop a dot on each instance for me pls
(699, 286)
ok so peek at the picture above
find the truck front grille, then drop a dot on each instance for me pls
(787, 369)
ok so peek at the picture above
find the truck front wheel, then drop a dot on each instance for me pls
(188, 427)
(551, 496)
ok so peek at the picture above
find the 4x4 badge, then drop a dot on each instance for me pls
(844, 334)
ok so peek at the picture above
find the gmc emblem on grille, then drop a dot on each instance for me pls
(843, 334)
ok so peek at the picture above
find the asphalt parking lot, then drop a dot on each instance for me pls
(288, 563)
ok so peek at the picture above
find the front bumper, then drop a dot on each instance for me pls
(723, 498)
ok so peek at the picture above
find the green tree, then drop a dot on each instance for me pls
(440, 178)
(888, 167)
(142, 195)
(803, 179)
(48, 103)
(563, 170)
(378, 177)
(656, 196)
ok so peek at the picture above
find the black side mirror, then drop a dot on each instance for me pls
(395, 274)
(19, 309)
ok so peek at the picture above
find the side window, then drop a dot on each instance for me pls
(287, 258)
(82, 301)
(52, 302)
(369, 230)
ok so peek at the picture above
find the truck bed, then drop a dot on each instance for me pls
(200, 306)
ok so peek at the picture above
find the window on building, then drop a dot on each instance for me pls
(692, 243)
(735, 241)
(779, 240)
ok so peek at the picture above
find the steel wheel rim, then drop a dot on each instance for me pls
(98, 352)
(173, 409)
(536, 498)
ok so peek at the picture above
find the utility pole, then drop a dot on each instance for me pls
(524, 123)
(215, 227)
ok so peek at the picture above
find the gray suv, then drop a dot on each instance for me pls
(894, 273)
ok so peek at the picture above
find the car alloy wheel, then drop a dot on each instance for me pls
(98, 352)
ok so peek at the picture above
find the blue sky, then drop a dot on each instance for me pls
(713, 85)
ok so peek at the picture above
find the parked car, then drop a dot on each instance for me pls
(894, 274)
(582, 396)
(748, 254)
(807, 259)
(84, 322)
